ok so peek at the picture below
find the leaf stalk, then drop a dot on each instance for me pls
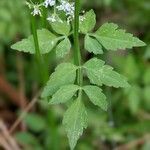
(77, 52)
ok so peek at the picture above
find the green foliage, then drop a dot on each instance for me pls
(63, 48)
(61, 27)
(147, 53)
(146, 77)
(134, 96)
(46, 39)
(75, 120)
(130, 67)
(64, 74)
(27, 140)
(14, 20)
(99, 74)
(113, 38)
(96, 96)
(92, 45)
(88, 22)
(146, 95)
(64, 94)
(35, 122)
(137, 96)
(97, 3)
(62, 85)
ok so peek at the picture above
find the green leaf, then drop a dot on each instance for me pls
(64, 74)
(96, 96)
(147, 52)
(146, 76)
(35, 122)
(26, 138)
(92, 45)
(61, 27)
(75, 120)
(131, 66)
(63, 48)
(146, 95)
(64, 94)
(134, 97)
(46, 39)
(113, 38)
(88, 21)
(99, 74)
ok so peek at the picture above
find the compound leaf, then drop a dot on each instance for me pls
(113, 38)
(46, 39)
(87, 22)
(99, 74)
(96, 96)
(63, 48)
(64, 74)
(92, 45)
(64, 94)
(75, 120)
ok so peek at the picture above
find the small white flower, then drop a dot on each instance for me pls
(36, 10)
(67, 7)
(49, 3)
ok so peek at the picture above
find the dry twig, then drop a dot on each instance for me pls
(9, 91)
(7, 137)
(4, 143)
(131, 145)
(26, 110)
(21, 84)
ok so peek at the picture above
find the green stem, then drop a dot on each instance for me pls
(77, 52)
(44, 15)
(43, 71)
(55, 8)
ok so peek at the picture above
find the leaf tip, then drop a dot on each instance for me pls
(141, 43)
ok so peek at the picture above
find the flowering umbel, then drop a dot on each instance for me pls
(63, 5)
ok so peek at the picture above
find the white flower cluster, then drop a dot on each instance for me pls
(49, 3)
(63, 5)
(67, 7)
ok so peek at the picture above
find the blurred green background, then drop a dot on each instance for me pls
(125, 126)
